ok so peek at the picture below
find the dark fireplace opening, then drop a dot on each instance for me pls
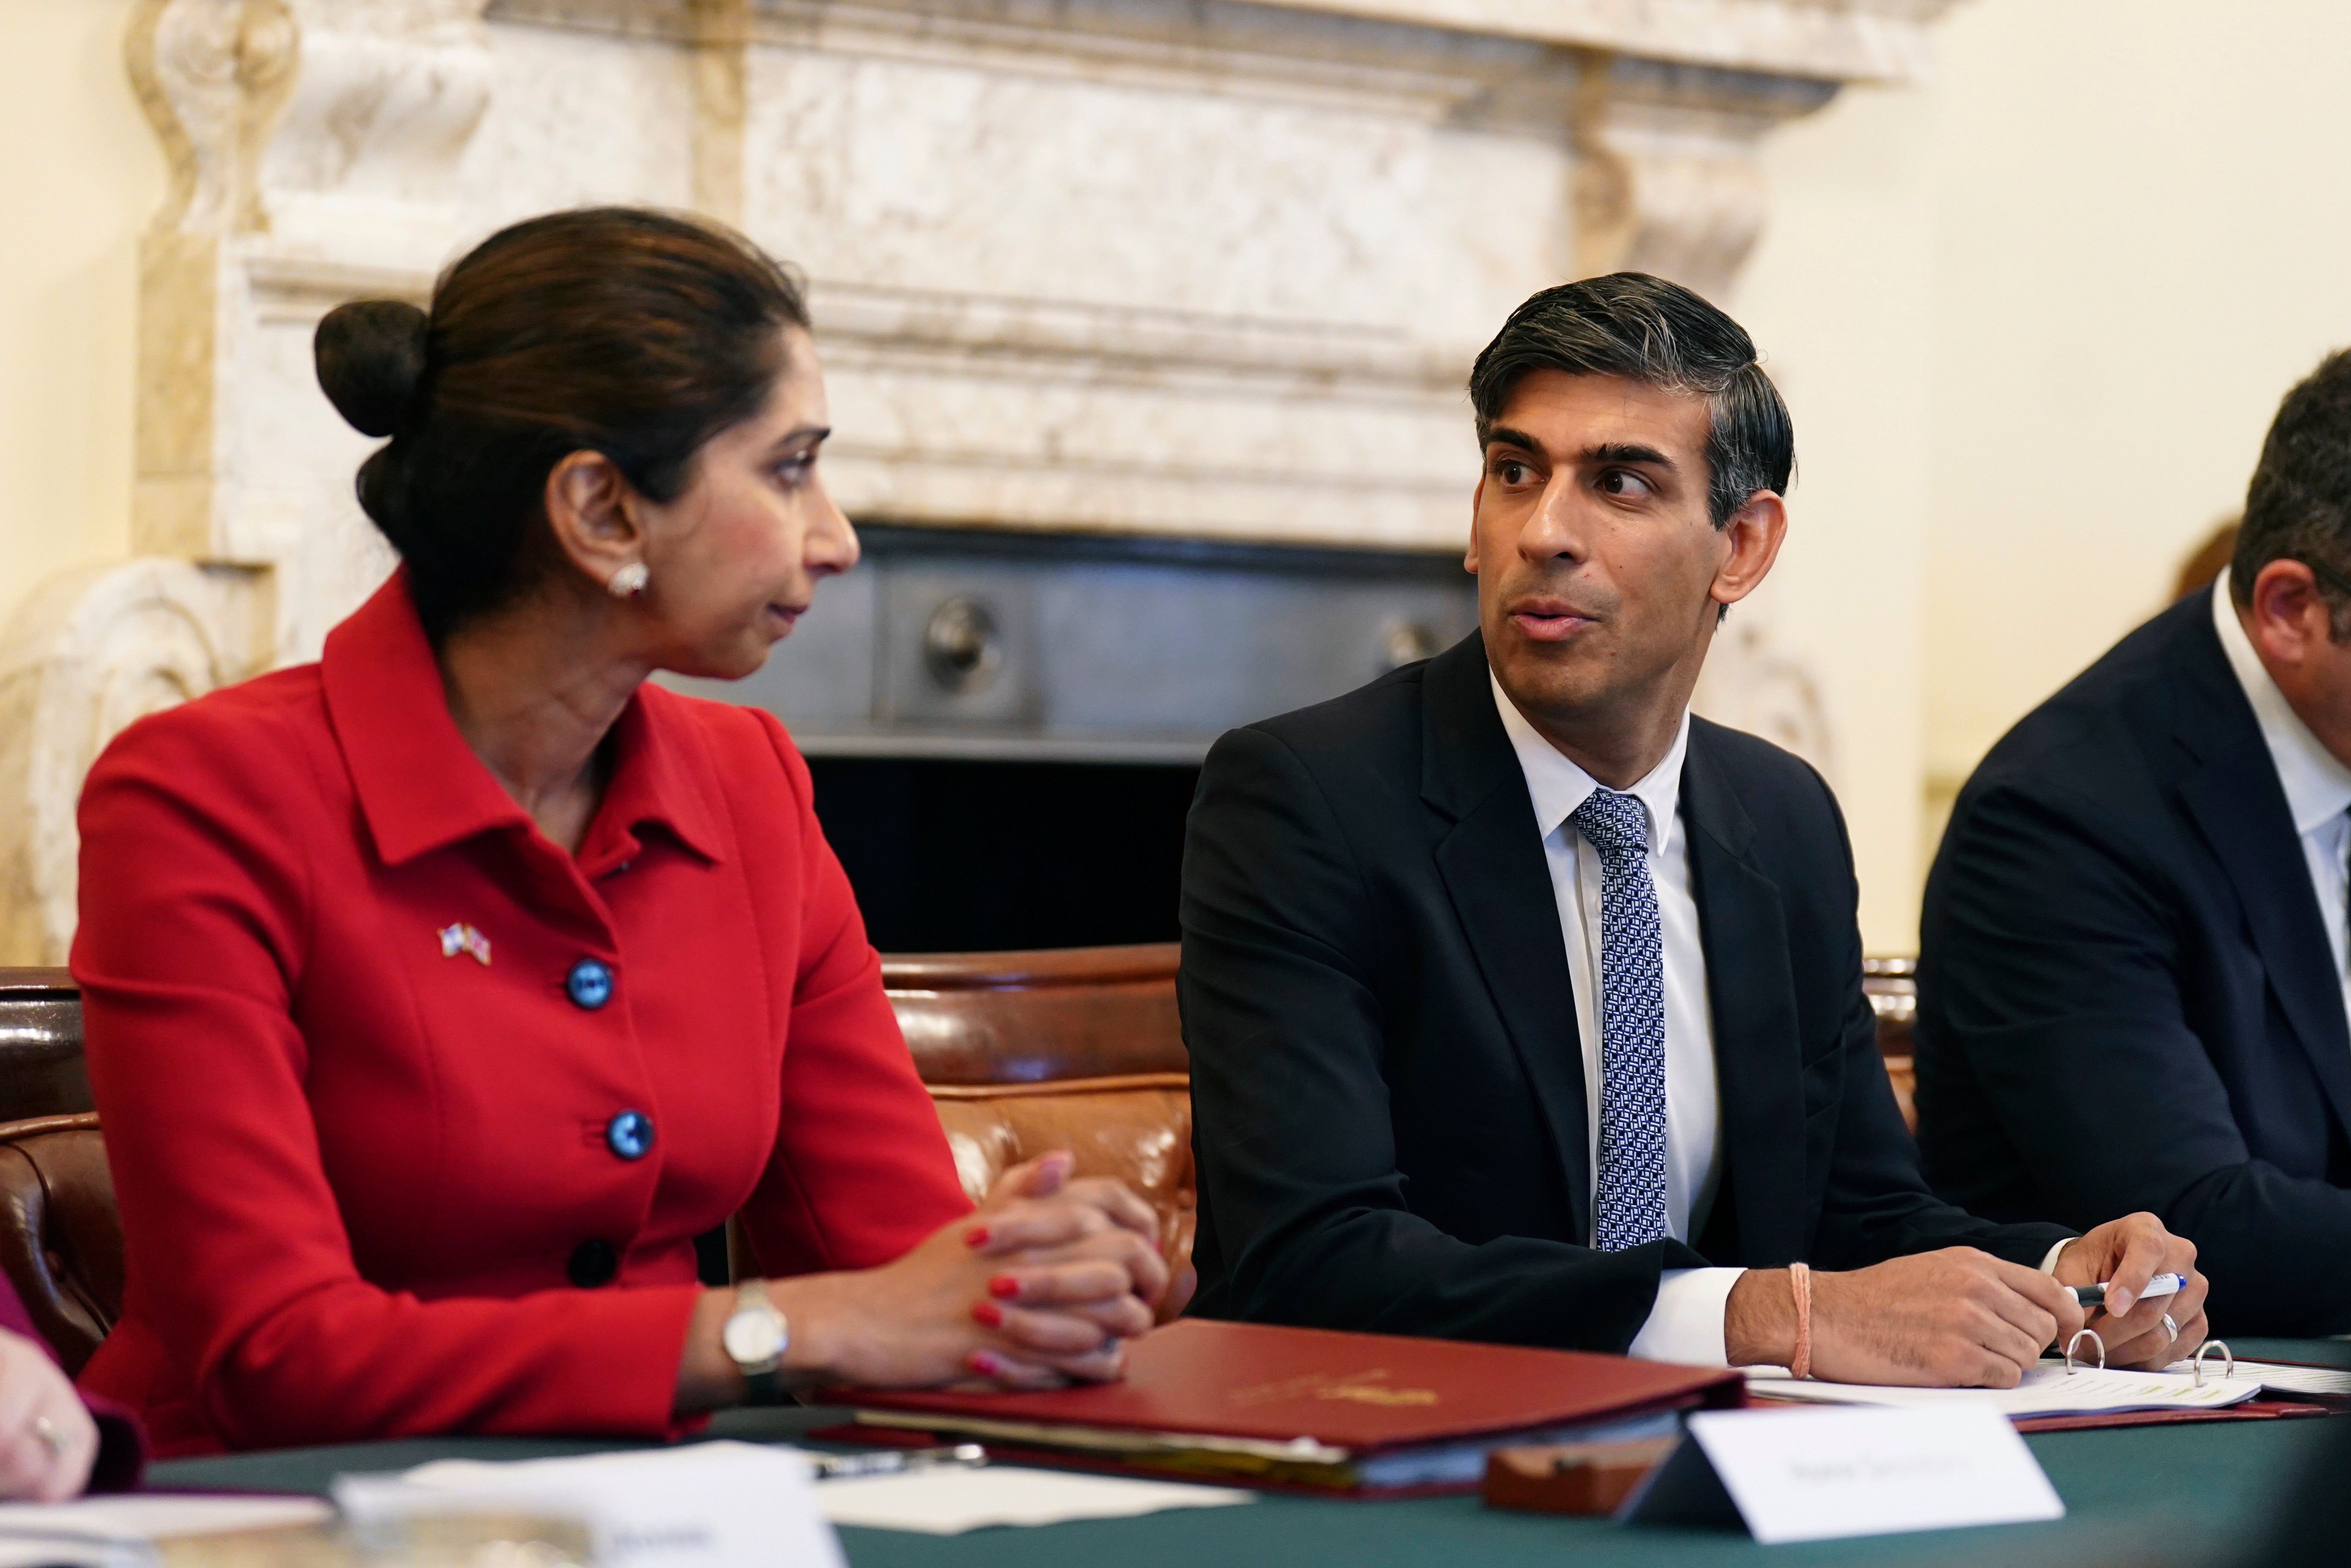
(953, 854)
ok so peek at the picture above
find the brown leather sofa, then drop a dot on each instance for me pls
(1023, 1052)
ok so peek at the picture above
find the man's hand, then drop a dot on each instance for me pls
(2124, 1255)
(1953, 1319)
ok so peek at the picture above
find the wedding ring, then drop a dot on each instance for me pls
(2170, 1329)
(51, 1438)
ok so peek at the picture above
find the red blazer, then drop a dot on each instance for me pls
(412, 1116)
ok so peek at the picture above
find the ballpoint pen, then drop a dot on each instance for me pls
(2161, 1286)
(896, 1461)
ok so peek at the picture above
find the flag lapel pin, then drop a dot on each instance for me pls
(464, 939)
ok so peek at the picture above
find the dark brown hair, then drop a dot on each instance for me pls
(619, 330)
(2298, 507)
(1645, 329)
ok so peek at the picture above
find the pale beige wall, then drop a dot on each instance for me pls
(2032, 319)
(2145, 239)
(79, 179)
(1839, 297)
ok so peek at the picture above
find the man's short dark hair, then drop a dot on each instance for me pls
(1645, 329)
(2298, 507)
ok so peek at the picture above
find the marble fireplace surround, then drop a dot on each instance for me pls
(1171, 267)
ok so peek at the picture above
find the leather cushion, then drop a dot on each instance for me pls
(1136, 1127)
(60, 1236)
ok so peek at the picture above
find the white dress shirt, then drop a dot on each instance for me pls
(1686, 1324)
(2318, 785)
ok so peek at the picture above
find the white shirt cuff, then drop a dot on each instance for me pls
(2049, 1264)
(1686, 1324)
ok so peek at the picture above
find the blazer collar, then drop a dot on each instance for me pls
(420, 785)
(1751, 989)
(2229, 786)
(1464, 754)
(1494, 870)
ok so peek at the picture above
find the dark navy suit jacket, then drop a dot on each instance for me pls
(1388, 1085)
(2125, 996)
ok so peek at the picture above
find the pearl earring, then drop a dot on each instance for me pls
(629, 580)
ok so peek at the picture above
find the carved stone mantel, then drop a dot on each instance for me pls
(1182, 266)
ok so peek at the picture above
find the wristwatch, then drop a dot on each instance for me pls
(755, 1338)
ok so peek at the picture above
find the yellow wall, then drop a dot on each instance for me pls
(82, 177)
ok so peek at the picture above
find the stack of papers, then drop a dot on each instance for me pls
(103, 1532)
(950, 1500)
(703, 1505)
(2279, 1378)
(2048, 1389)
(743, 1505)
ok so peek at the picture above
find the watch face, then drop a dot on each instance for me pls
(753, 1337)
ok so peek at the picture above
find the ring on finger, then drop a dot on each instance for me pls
(2170, 1329)
(51, 1438)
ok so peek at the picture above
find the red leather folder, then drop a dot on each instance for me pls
(1262, 1405)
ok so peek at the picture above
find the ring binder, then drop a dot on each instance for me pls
(2202, 1350)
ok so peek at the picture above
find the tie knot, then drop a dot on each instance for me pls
(1616, 824)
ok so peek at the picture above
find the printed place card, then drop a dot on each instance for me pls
(1818, 1475)
(698, 1505)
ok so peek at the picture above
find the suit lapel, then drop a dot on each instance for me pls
(2232, 790)
(1493, 866)
(1751, 992)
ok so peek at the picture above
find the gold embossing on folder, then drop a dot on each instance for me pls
(1362, 1387)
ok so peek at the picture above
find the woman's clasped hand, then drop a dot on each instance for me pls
(47, 1440)
(1040, 1286)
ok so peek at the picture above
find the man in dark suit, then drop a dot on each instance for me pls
(1524, 1007)
(2132, 977)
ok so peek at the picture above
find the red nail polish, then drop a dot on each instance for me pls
(983, 1364)
(1004, 1287)
(987, 1315)
(975, 1237)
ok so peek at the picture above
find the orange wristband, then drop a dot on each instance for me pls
(1800, 1280)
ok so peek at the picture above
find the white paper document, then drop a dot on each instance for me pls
(109, 1530)
(1823, 1474)
(2282, 1377)
(951, 1499)
(703, 1505)
(2048, 1389)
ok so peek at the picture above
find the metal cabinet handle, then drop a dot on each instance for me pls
(960, 646)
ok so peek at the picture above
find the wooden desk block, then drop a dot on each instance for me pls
(1569, 1477)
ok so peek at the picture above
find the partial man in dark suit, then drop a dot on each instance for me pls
(1525, 1007)
(2132, 971)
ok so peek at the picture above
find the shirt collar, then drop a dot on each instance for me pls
(1558, 786)
(421, 786)
(2318, 785)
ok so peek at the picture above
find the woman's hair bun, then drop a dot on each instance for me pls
(370, 358)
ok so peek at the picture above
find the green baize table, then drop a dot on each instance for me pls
(2149, 1497)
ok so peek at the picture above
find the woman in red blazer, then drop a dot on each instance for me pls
(439, 992)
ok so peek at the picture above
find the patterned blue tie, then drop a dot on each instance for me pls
(1630, 1205)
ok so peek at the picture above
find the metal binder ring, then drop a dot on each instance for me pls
(2079, 1335)
(2229, 1371)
